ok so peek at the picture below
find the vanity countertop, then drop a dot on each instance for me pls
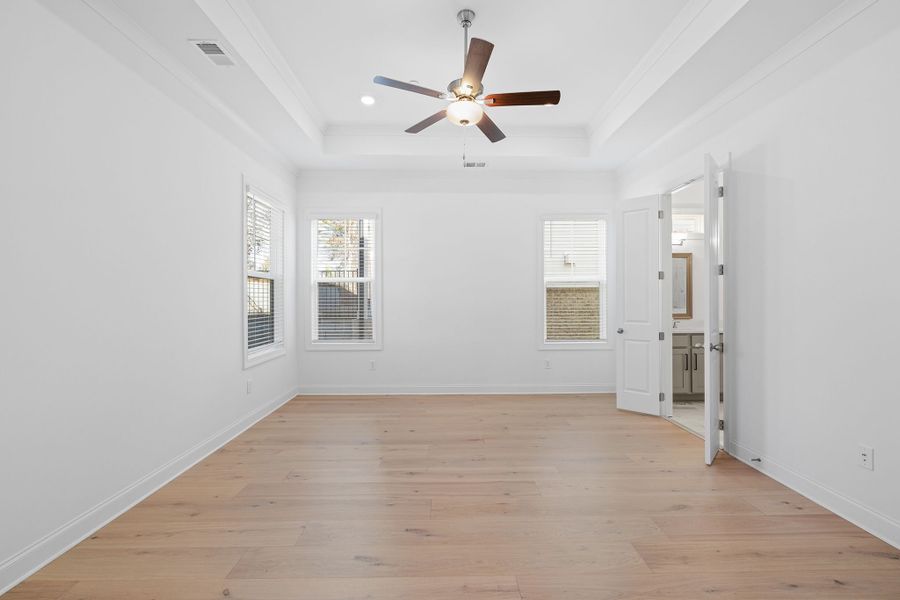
(690, 332)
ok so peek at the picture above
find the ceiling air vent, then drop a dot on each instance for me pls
(214, 52)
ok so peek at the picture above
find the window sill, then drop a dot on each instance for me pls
(343, 346)
(604, 345)
(258, 358)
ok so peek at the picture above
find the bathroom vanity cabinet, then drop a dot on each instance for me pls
(687, 363)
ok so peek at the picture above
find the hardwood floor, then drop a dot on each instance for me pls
(470, 498)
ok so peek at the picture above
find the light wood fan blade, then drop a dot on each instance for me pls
(523, 98)
(476, 62)
(427, 122)
(409, 87)
(490, 129)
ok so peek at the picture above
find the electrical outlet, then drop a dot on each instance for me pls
(249, 386)
(866, 457)
(371, 365)
(547, 364)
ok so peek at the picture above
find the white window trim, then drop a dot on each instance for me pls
(377, 342)
(274, 350)
(604, 344)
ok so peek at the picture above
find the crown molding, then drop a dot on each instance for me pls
(245, 33)
(763, 72)
(104, 23)
(691, 29)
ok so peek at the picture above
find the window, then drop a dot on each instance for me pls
(687, 223)
(264, 271)
(344, 282)
(574, 281)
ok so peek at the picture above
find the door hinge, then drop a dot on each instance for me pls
(662, 335)
(721, 424)
(662, 275)
(662, 397)
(721, 191)
(721, 269)
(660, 214)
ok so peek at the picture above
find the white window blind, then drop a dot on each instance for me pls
(343, 272)
(575, 284)
(264, 231)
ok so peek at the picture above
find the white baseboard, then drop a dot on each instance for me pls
(25, 562)
(453, 389)
(879, 525)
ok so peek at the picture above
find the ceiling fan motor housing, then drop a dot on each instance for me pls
(455, 87)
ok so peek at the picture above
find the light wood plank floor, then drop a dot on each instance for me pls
(470, 498)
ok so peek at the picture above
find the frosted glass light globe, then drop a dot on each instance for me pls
(464, 112)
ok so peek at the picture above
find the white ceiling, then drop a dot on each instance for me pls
(630, 71)
(583, 48)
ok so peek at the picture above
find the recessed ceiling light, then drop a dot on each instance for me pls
(367, 100)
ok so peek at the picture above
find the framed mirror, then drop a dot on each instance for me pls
(682, 286)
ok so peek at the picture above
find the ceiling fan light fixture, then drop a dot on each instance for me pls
(464, 112)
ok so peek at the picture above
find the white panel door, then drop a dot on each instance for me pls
(637, 334)
(713, 351)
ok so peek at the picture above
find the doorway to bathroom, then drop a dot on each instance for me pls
(697, 306)
(688, 306)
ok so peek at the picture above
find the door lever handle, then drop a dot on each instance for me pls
(620, 330)
(714, 347)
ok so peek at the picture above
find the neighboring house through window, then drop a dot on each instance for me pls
(574, 281)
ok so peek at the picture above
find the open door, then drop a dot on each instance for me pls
(713, 351)
(638, 332)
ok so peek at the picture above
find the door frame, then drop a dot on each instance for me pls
(665, 304)
(665, 242)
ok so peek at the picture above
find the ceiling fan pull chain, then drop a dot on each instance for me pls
(464, 148)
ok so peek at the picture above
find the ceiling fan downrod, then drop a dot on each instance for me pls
(465, 18)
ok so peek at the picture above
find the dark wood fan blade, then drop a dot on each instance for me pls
(476, 62)
(522, 98)
(409, 87)
(490, 129)
(427, 122)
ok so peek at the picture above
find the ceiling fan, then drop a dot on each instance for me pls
(466, 92)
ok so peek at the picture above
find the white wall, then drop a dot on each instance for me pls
(462, 292)
(811, 284)
(121, 336)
